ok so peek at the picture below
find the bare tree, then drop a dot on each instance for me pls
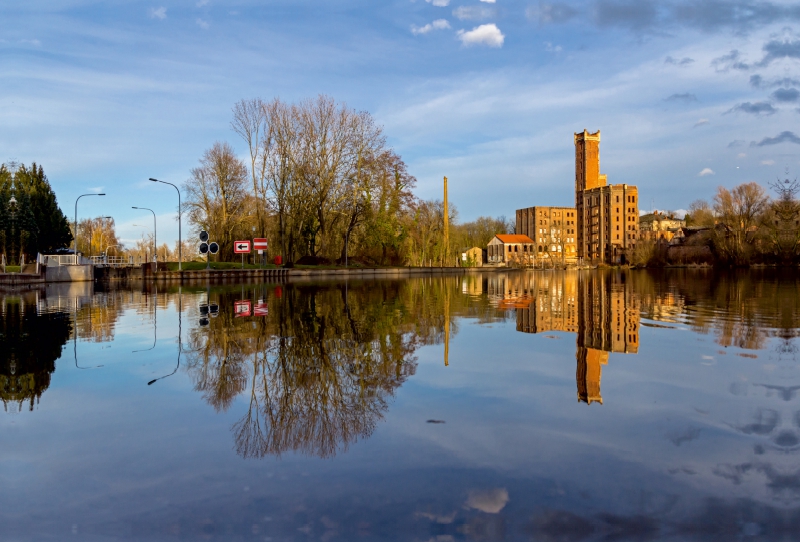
(216, 195)
(700, 214)
(738, 211)
(250, 121)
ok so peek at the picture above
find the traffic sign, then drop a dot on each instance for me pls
(242, 308)
(259, 243)
(260, 309)
(213, 248)
(204, 236)
(241, 247)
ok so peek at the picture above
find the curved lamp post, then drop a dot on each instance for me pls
(180, 244)
(155, 236)
(75, 240)
(180, 339)
(109, 248)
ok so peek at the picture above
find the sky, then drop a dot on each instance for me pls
(689, 95)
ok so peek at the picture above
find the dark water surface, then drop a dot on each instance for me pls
(520, 406)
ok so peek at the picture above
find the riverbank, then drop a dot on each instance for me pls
(295, 274)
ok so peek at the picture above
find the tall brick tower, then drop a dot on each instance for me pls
(587, 177)
(587, 161)
(607, 215)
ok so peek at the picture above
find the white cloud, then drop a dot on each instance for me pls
(741, 155)
(706, 171)
(202, 3)
(485, 34)
(35, 43)
(158, 13)
(438, 24)
(202, 24)
(439, 3)
(701, 122)
(767, 162)
(489, 1)
(489, 501)
(473, 12)
(550, 48)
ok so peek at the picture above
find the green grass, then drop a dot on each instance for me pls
(13, 268)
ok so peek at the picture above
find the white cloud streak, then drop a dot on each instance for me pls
(705, 172)
(439, 3)
(438, 24)
(485, 34)
(202, 24)
(473, 13)
(158, 13)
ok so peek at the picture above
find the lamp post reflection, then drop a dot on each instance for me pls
(75, 339)
(180, 338)
(155, 321)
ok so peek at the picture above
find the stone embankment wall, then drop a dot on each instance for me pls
(279, 275)
(69, 273)
(20, 281)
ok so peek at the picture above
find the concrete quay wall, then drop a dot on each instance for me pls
(305, 275)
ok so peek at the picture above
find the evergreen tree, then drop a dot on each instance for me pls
(5, 194)
(53, 226)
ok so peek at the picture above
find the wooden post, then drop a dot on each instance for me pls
(446, 226)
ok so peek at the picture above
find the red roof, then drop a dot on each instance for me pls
(508, 238)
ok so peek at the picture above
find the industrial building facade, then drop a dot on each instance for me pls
(602, 227)
(553, 230)
(607, 214)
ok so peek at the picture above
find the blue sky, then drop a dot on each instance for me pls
(689, 95)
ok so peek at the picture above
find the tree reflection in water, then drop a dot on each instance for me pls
(30, 342)
(320, 370)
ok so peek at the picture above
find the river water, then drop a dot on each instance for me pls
(521, 406)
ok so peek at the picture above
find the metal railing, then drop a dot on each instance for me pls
(55, 260)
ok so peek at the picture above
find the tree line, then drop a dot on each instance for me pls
(321, 183)
(741, 226)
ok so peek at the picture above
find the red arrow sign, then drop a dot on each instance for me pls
(259, 243)
(241, 308)
(241, 247)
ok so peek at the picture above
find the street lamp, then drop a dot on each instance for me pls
(109, 248)
(180, 244)
(155, 237)
(75, 241)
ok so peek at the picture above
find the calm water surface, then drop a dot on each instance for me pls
(520, 406)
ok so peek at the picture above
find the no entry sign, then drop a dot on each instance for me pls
(241, 247)
(261, 308)
(259, 243)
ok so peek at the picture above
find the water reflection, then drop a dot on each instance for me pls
(320, 369)
(602, 309)
(31, 340)
(698, 436)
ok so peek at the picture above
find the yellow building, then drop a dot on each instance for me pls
(607, 215)
(553, 229)
(472, 257)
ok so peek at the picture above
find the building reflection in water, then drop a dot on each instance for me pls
(31, 340)
(600, 308)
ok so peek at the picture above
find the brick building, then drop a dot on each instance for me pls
(512, 249)
(607, 214)
(553, 230)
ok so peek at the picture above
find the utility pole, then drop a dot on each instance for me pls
(446, 226)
